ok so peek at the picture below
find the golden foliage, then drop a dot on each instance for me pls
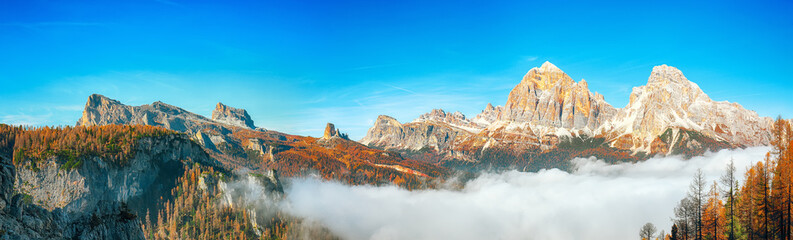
(114, 143)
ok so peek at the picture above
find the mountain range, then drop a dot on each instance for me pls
(231, 137)
(59, 182)
(548, 112)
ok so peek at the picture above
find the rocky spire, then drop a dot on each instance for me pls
(232, 116)
(331, 131)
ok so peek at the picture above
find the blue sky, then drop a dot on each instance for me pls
(295, 65)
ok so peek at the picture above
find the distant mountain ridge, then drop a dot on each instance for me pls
(231, 137)
(669, 115)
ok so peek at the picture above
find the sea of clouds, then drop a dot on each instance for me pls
(595, 201)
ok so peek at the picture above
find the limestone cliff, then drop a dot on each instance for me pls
(101, 110)
(232, 116)
(20, 218)
(388, 133)
(549, 97)
(149, 174)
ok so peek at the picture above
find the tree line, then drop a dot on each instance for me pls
(113, 143)
(756, 206)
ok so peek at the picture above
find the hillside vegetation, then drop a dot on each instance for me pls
(113, 143)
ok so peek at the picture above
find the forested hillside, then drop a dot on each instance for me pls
(758, 205)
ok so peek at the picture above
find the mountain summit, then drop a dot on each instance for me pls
(547, 96)
(670, 100)
(232, 116)
(101, 110)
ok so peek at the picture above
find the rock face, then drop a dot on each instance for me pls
(547, 107)
(232, 116)
(20, 219)
(455, 119)
(100, 110)
(549, 97)
(7, 173)
(388, 133)
(157, 163)
(217, 135)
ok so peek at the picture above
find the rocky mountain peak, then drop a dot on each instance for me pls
(97, 100)
(670, 100)
(489, 107)
(546, 77)
(98, 106)
(549, 67)
(455, 119)
(331, 132)
(439, 115)
(487, 116)
(386, 120)
(549, 97)
(583, 84)
(664, 75)
(232, 116)
(100, 110)
(667, 85)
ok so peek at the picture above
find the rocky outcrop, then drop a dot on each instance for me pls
(7, 173)
(149, 174)
(264, 150)
(488, 116)
(205, 141)
(20, 218)
(331, 132)
(232, 116)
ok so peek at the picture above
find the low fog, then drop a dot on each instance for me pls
(596, 201)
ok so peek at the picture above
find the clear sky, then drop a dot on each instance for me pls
(295, 65)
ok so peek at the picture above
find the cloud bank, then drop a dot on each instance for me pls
(596, 201)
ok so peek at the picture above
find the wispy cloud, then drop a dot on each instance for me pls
(399, 88)
(26, 119)
(68, 107)
(371, 67)
(167, 2)
(315, 100)
(42, 25)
